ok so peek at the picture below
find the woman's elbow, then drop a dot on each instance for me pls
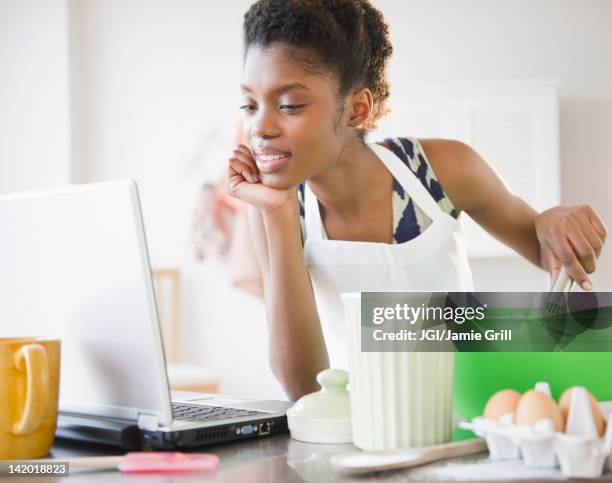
(294, 385)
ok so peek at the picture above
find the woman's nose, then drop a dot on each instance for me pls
(264, 125)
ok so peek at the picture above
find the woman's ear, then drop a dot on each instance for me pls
(361, 103)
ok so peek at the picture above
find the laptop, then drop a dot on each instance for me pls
(75, 265)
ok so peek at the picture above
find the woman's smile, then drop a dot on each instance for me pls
(269, 160)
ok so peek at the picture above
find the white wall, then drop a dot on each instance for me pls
(34, 95)
(149, 77)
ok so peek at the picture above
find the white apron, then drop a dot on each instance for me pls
(435, 260)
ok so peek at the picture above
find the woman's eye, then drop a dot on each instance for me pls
(247, 107)
(290, 107)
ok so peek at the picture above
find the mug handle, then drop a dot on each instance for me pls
(32, 359)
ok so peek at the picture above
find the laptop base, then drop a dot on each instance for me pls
(222, 433)
(99, 431)
(128, 436)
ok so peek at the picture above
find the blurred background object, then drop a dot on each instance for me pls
(182, 376)
(220, 227)
(94, 90)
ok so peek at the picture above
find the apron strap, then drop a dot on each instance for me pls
(409, 181)
(312, 215)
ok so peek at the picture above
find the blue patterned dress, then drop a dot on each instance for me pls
(409, 221)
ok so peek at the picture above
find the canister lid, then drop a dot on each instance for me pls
(323, 416)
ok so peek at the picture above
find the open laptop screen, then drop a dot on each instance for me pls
(74, 264)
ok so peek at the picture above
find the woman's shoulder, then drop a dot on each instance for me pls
(434, 153)
(455, 164)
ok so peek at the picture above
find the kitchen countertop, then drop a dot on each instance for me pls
(281, 459)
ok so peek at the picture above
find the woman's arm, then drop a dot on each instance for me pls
(297, 348)
(571, 236)
(296, 345)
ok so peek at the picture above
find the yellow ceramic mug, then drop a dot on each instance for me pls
(29, 387)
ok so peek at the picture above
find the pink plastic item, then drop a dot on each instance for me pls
(167, 461)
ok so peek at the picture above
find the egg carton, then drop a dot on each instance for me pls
(580, 452)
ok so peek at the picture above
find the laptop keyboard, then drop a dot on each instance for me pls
(187, 412)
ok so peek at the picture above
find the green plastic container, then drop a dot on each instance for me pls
(478, 375)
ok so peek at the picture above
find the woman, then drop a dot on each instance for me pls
(330, 213)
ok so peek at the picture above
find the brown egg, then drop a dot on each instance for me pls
(500, 403)
(534, 406)
(564, 404)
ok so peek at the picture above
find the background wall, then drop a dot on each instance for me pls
(34, 95)
(150, 78)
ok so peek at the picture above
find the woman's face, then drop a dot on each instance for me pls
(292, 121)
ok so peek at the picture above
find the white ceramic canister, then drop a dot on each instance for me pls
(398, 399)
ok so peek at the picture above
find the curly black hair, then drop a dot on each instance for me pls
(349, 38)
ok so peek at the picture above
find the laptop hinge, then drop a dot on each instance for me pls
(148, 422)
